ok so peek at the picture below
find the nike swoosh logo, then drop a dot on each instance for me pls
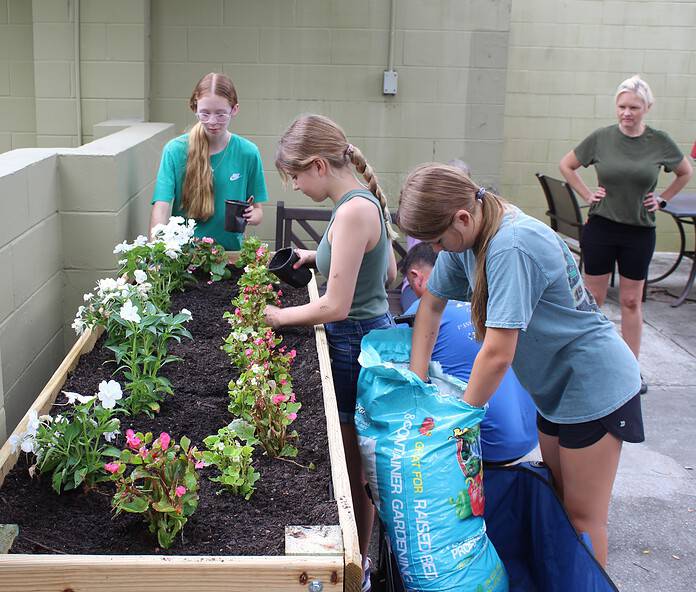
(235, 177)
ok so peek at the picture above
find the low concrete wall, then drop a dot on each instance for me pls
(63, 210)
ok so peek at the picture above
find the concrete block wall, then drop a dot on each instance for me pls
(114, 66)
(63, 212)
(17, 117)
(566, 58)
(288, 57)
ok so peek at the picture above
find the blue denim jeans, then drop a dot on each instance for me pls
(344, 339)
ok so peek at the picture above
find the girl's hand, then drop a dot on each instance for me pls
(596, 196)
(253, 214)
(307, 258)
(651, 202)
(272, 316)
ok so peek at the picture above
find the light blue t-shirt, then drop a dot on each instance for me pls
(237, 175)
(569, 356)
(508, 431)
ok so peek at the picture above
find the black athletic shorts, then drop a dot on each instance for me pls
(626, 423)
(605, 242)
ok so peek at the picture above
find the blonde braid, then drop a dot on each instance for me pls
(364, 168)
(197, 193)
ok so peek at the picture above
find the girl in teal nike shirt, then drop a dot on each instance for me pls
(202, 169)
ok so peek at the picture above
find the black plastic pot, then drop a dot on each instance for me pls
(281, 265)
(234, 219)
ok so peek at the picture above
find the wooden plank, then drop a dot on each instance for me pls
(48, 395)
(313, 540)
(115, 573)
(339, 471)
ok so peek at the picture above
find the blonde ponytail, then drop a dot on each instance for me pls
(198, 183)
(364, 168)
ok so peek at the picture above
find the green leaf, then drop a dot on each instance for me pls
(136, 505)
(163, 506)
(184, 443)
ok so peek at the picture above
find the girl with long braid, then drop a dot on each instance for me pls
(356, 256)
(203, 168)
(531, 310)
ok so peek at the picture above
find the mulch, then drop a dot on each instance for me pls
(80, 522)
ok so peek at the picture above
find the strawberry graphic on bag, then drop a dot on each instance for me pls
(476, 494)
(427, 426)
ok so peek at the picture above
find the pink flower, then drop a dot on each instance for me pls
(132, 441)
(280, 292)
(248, 352)
(164, 440)
(207, 239)
(260, 252)
(293, 353)
(209, 282)
(214, 251)
(258, 341)
(292, 397)
(143, 452)
(266, 365)
(179, 491)
(283, 381)
(278, 399)
(269, 286)
(112, 467)
(200, 464)
(292, 416)
(238, 312)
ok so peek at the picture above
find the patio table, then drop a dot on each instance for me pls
(682, 208)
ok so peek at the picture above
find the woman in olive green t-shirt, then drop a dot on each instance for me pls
(627, 157)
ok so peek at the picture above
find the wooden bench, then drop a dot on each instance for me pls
(290, 222)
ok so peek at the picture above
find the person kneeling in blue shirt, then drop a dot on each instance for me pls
(508, 432)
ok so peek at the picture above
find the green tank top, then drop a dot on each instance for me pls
(370, 298)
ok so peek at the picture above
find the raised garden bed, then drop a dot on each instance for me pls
(229, 543)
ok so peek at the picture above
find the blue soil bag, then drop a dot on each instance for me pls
(421, 449)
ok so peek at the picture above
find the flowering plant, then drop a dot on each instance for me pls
(72, 446)
(208, 256)
(270, 405)
(162, 485)
(142, 348)
(162, 259)
(230, 451)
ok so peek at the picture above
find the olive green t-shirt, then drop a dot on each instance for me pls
(628, 169)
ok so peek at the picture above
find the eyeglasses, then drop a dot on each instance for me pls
(213, 117)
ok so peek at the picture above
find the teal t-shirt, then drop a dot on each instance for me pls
(370, 296)
(237, 175)
(569, 356)
(628, 169)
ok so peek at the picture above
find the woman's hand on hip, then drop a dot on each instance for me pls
(652, 202)
(597, 196)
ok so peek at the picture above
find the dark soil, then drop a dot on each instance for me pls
(81, 522)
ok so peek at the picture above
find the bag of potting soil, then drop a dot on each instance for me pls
(421, 450)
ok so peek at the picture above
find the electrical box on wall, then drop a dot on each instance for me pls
(390, 82)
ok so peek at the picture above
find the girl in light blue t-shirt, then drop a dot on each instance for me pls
(532, 311)
(202, 169)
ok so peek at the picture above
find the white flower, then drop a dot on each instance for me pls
(140, 241)
(14, 441)
(46, 418)
(140, 276)
(123, 247)
(109, 436)
(175, 221)
(87, 296)
(144, 288)
(79, 326)
(171, 254)
(187, 312)
(72, 397)
(58, 418)
(34, 423)
(106, 285)
(122, 262)
(109, 393)
(129, 312)
(28, 443)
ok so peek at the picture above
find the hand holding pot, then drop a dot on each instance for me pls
(253, 215)
(305, 257)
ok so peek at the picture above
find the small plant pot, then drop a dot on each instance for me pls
(282, 266)
(234, 218)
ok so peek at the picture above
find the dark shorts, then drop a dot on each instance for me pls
(605, 242)
(626, 423)
(344, 339)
